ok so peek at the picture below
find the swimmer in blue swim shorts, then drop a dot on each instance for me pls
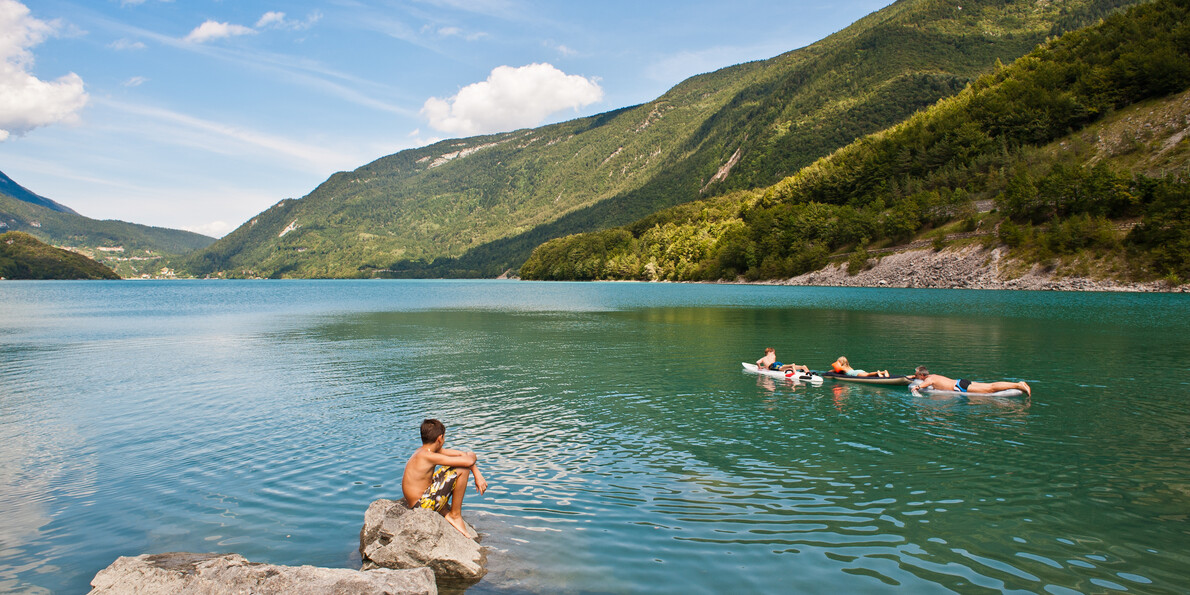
(940, 382)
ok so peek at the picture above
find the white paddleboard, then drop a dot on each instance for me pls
(791, 375)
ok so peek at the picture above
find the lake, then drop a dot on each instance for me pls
(625, 448)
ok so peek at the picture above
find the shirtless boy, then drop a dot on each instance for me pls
(436, 477)
(770, 361)
(940, 382)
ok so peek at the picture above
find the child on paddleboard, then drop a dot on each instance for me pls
(770, 362)
(842, 367)
(436, 478)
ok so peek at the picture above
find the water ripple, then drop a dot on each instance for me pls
(623, 446)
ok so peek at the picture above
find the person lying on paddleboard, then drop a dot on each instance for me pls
(436, 477)
(842, 367)
(940, 382)
(770, 361)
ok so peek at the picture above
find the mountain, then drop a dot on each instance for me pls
(478, 206)
(130, 248)
(1080, 145)
(23, 256)
(11, 188)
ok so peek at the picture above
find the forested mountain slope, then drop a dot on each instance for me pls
(1078, 141)
(69, 229)
(478, 206)
(23, 256)
(129, 248)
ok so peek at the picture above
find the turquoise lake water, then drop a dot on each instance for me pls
(625, 448)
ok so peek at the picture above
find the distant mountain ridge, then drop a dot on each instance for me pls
(11, 188)
(131, 249)
(478, 206)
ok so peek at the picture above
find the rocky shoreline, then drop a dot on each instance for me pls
(404, 551)
(966, 267)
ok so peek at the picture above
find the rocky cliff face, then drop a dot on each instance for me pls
(968, 267)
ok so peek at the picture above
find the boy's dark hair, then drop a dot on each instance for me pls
(431, 429)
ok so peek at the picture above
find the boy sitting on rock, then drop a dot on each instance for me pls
(436, 477)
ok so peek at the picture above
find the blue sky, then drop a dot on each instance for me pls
(199, 114)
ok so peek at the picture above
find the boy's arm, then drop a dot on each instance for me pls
(480, 483)
(454, 453)
(452, 458)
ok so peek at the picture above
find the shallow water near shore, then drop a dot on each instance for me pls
(625, 448)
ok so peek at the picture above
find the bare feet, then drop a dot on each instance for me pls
(457, 523)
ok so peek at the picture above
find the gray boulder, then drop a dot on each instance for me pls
(394, 536)
(219, 574)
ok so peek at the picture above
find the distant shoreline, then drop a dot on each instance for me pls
(957, 267)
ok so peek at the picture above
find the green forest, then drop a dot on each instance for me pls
(23, 256)
(477, 207)
(992, 141)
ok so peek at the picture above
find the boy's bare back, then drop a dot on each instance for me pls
(416, 477)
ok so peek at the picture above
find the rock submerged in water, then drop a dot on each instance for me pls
(397, 537)
(218, 574)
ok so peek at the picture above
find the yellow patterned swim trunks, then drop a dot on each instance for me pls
(442, 484)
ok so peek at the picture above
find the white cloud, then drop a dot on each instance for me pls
(215, 137)
(215, 30)
(457, 32)
(126, 44)
(278, 20)
(562, 49)
(511, 98)
(135, 81)
(503, 9)
(270, 18)
(293, 68)
(214, 229)
(27, 102)
(418, 141)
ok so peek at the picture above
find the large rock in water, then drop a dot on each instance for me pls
(219, 574)
(396, 537)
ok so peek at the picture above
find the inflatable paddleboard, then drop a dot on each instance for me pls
(792, 375)
(1012, 392)
(893, 380)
